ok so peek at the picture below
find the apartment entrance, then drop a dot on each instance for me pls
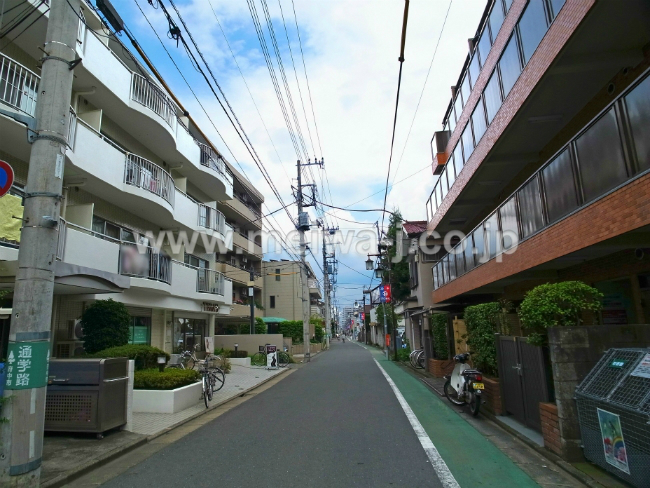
(522, 372)
(188, 333)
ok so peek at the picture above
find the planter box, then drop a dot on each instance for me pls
(550, 427)
(441, 367)
(492, 396)
(167, 401)
(240, 361)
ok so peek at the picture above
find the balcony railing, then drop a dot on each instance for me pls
(18, 85)
(152, 264)
(210, 159)
(60, 244)
(248, 205)
(210, 281)
(149, 176)
(211, 218)
(148, 94)
(72, 127)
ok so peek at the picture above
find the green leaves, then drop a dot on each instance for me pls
(105, 324)
(556, 305)
(169, 379)
(482, 322)
(438, 322)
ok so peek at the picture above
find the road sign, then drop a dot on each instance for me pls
(6, 177)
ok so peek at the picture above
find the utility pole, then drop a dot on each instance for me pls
(326, 286)
(251, 298)
(29, 337)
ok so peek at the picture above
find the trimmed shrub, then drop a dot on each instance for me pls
(260, 326)
(145, 356)
(403, 354)
(438, 323)
(105, 324)
(319, 333)
(236, 354)
(169, 379)
(293, 329)
(556, 305)
(482, 323)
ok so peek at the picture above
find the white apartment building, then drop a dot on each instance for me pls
(135, 163)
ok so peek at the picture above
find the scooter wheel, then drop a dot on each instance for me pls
(451, 394)
(475, 404)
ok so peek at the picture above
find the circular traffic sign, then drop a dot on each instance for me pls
(6, 177)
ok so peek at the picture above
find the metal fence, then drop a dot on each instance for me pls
(211, 218)
(152, 264)
(148, 94)
(18, 85)
(144, 174)
(209, 281)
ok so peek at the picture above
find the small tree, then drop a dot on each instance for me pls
(556, 305)
(438, 322)
(482, 322)
(260, 326)
(105, 324)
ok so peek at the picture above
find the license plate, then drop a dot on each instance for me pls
(479, 386)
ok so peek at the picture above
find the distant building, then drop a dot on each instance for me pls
(282, 290)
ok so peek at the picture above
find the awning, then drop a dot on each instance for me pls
(70, 279)
(273, 320)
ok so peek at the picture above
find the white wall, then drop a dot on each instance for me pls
(85, 250)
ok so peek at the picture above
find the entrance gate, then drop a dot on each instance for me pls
(523, 375)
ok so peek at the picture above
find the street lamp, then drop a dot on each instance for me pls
(379, 272)
(369, 264)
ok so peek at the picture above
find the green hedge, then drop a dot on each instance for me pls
(169, 379)
(556, 305)
(105, 324)
(482, 322)
(145, 356)
(319, 333)
(438, 323)
(293, 329)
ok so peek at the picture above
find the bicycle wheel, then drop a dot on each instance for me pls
(206, 384)
(283, 359)
(412, 358)
(258, 359)
(217, 379)
(420, 360)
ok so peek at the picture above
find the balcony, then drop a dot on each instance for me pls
(238, 210)
(146, 93)
(149, 176)
(140, 261)
(238, 310)
(250, 247)
(200, 284)
(314, 289)
(18, 86)
(240, 276)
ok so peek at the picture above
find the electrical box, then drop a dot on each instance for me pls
(303, 221)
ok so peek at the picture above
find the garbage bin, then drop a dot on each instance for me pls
(86, 395)
(614, 413)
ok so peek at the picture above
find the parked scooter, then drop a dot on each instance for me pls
(465, 385)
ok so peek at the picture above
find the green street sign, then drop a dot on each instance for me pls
(27, 364)
(617, 363)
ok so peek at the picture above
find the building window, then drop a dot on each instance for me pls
(557, 6)
(478, 121)
(460, 260)
(451, 174)
(474, 69)
(196, 261)
(272, 301)
(466, 90)
(140, 330)
(484, 45)
(638, 111)
(530, 208)
(509, 227)
(496, 18)
(277, 275)
(451, 120)
(458, 158)
(468, 142)
(491, 231)
(458, 105)
(509, 65)
(560, 191)
(492, 96)
(600, 157)
(532, 27)
(469, 254)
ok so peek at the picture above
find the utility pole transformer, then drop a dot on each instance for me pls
(29, 337)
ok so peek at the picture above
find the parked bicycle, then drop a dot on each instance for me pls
(259, 358)
(188, 360)
(213, 378)
(417, 358)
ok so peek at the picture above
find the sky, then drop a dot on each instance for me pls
(351, 50)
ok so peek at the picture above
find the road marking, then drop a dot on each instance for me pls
(439, 465)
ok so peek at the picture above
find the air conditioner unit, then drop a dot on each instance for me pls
(69, 349)
(75, 330)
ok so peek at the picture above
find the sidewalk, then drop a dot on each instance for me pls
(66, 456)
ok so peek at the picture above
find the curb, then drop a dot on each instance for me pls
(79, 471)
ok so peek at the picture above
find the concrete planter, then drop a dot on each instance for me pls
(240, 361)
(166, 401)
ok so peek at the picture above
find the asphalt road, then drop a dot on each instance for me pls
(333, 423)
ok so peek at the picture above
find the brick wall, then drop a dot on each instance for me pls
(550, 427)
(441, 367)
(598, 222)
(492, 396)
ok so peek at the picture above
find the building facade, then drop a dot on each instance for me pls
(140, 180)
(544, 156)
(282, 290)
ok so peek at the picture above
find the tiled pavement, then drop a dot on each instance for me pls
(240, 379)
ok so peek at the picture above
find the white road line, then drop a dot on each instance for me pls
(439, 465)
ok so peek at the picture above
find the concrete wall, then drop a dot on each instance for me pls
(249, 343)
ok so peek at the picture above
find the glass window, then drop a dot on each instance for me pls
(469, 253)
(509, 65)
(98, 225)
(478, 121)
(450, 259)
(479, 245)
(465, 90)
(442, 275)
(556, 5)
(439, 193)
(532, 27)
(492, 97)
(452, 119)
(474, 69)
(272, 301)
(468, 142)
(496, 18)
(458, 157)
(451, 174)
(442, 181)
(530, 208)
(277, 275)
(638, 109)
(188, 333)
(600, 157)
(508, 4)
(484, 45)
(140, 330)
(559, 187)
(434, 271)
(491, 230)
(509, 227)
(460, 260)
(458, 106)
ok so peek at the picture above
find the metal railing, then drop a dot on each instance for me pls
(248, 205)
(152, 264)
(209, 281)
(72, 128)
(144, 174)
(210, 159)
(211, 218)
(18, 85)
(60, 244)
(148, 94)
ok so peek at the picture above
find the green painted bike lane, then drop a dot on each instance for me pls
(471, 458)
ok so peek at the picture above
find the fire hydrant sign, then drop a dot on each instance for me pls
(27, 364)
(642, 370)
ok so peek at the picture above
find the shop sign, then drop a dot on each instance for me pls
(210, 307)
(27, 364)
(643, 368)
